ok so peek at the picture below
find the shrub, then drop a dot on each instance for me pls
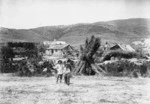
(31, 51)
(32, 67)
(127, 68)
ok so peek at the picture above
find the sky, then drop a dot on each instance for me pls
(23, 14)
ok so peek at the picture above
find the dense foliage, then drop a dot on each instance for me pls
(34, 67)
(18, 50)
(86, 64)
(127, 68)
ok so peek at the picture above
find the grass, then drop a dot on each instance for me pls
(83, 90)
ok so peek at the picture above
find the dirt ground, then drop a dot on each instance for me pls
(83, 90)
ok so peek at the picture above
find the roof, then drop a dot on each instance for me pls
(112, 44)
(124, 47)
(62, 46)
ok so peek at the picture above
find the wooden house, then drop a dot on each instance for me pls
(59, 50)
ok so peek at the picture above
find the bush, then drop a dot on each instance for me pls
(127, 68)
(32, 51)
(33, 67)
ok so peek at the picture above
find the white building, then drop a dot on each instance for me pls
(59, 50)
(55, 42)
(47, 42)
(147, 42)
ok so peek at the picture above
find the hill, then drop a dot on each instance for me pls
(122, 31)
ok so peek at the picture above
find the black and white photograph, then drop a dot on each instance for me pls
(74, 51)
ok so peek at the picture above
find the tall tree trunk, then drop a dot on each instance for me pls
(82, 68)
(100, 69)
(95, 69)
(77, 69)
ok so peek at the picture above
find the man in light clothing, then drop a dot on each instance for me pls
(59, 67)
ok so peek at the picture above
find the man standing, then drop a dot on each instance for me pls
(59, 67)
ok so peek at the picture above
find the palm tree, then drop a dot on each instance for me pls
(86, 64)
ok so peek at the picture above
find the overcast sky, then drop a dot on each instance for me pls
(35, 13)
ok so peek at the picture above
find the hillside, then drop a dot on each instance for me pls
(122, 31)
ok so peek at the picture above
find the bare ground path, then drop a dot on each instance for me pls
(83, 90)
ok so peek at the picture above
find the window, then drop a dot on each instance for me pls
(52, 51)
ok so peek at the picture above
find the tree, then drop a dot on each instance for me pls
(7, 58)
(41, 49)
(7, 53)
(86, 64)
